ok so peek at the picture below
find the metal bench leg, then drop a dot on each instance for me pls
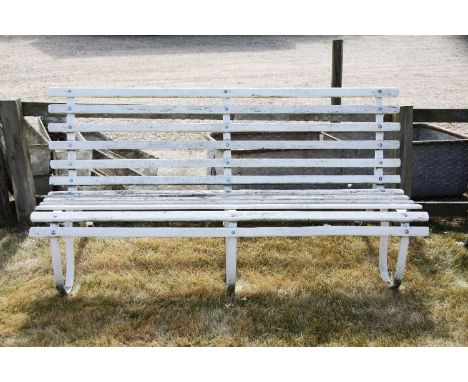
(231, 260)
(64, 285)
(383, 256)
(401, 262)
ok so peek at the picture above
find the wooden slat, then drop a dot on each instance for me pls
(194, 163)
(221, 128)
(227, 232)
(188, 180)
(371, 205)
(227, 197)
(248, 192)
(165, 216)
(222, 201)
(237, 109)
(222, 92)
(220, 145)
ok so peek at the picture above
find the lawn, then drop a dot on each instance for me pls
(319, 291)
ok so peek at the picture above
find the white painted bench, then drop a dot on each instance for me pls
(371, 211)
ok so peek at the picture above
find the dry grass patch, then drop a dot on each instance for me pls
(291, 292)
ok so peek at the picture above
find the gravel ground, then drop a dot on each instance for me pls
(431, 71)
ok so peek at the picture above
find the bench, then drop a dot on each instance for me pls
(327, 194)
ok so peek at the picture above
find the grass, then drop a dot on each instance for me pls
(291, 292)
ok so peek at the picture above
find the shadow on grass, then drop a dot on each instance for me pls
(316, 318)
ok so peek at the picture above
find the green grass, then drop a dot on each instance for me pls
(291, 292)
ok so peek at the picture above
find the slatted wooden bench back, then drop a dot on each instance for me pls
(216, 108)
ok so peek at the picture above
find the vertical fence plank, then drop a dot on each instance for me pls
(337, 68)
(6, 216)
(406, 146)
(17, 159)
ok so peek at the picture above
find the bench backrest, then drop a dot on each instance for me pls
(266, 121)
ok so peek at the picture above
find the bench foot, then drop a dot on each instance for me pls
(63, 284)
(395, 282)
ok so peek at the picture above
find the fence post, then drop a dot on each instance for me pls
(406, 147)
(6, 216)
(17, 159)
(337, 68)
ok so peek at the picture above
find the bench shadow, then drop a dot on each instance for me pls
(316, 318)
(91, 46)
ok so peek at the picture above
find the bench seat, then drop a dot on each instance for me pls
(358, 205)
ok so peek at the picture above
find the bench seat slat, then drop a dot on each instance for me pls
(162, 216)
(229, 198)
(221, 128)
(205, 180)
(83, 109)
(269, 192)
(183, 163)
(223, 92)
(227, 206)
(220, 145)
(227, 232)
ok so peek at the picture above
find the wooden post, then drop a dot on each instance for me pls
(406, 146)
(337, 68)
(17, 159)
(6, 216)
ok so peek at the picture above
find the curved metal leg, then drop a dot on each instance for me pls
(394, 282)
(383, 256)
(63, 285)
(401, 262)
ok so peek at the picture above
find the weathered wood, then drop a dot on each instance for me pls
(166, 216)
(234, 145)
(227, 232)
(406, 142)
(7, 218)
(17, 158)
(163, 193)
(223, 92)
(137, 109)
(193, 163)
(40, 109)
(337, 69)
(440, 115)
(223, 128)
(222, 180)
(112, 206)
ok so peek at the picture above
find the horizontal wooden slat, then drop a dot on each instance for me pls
(220, 145)
(221, 127)
(227, 232)
(222, 201)
(188, 180)
(371, 205)
(223, 92)
(214, 198)
(248, 192)
(189, 163)
(237, 109)
(165, 216)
